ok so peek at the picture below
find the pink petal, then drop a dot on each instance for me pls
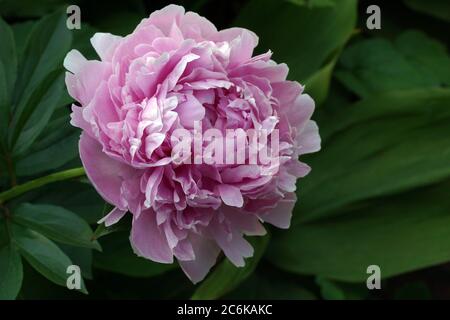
(164, 18)
(196, 27)
(148, 240)
(84, 83)
(105, 173)
(189, 111)
(232, 242)
(105, 44)
(247, 223)
(281, 215)
(74, 61)
(231, 195)
(113, 217)
(310, 138)
(301, 111)
(206, 252)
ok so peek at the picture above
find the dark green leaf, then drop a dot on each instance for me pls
(4, 234)
(39, 85)
(49, 158)
(47, 45)
(102, 230)
(387, 147)
(378, 65)
(55, 223)
(21, 33)
(305, 37)
(31, 119)
(11, 273)
(43, 255)
(318, 85)
(436, 8)
(76, 196)
(334, 290)
(399, 234)
(36, 287)
(57, 128)
(29, 8)
(8, 69)
(81, 257)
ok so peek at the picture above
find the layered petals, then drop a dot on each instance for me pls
(177, 73)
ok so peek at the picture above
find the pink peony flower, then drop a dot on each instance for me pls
(176, 69)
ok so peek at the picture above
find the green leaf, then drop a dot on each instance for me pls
(81, 257)
(78, 197)
(377, 147)
(43, 255)
(329, 290)
(21, 33)
(50, 158)
(8, 69)
(55, 223)
(117, 256)
(57, 129)
(436, 8)
(399, 234)
(29, 121)
(305, 37)
(46, 47)
(11, 273)
(377, 65)
(318, 85)
(102, 230)
(38, 88)
(4, 232)
(333, 290)
(29, 8)
(227, 276)
(36, 287)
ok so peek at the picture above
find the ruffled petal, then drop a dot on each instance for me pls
(280, 216)
(148, 240)
(113, 217)
(105, 173)
(105, 44)
(206, 252)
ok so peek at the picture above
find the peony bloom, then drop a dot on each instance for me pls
(174, 70)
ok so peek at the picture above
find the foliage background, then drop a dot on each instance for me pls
(378, 192)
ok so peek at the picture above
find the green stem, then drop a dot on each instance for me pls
(39, 182)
